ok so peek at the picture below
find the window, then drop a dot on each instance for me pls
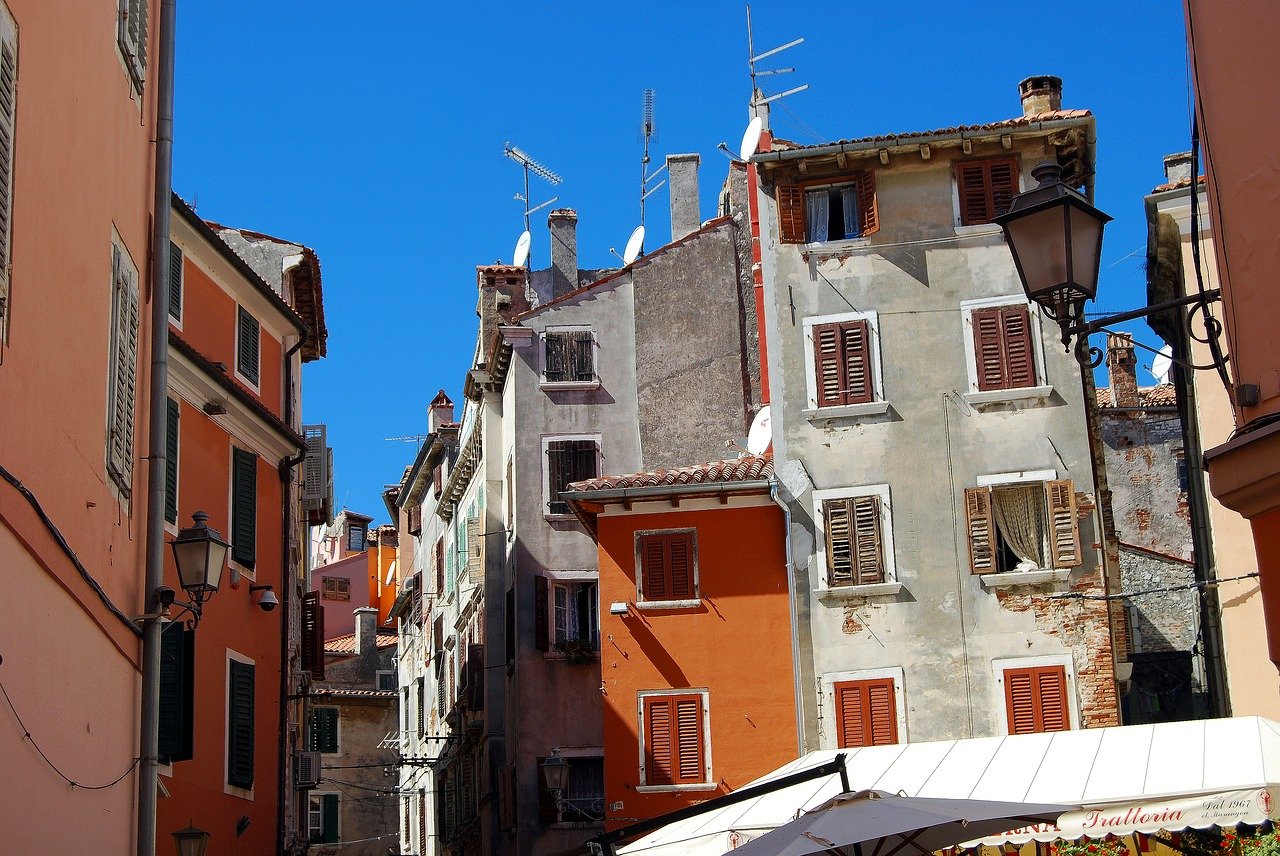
(1003, 347)
(439, 561)
(335, 588)
(667, 566)
(1022, 526)
(1036, 699)
(985, 188)
(569, 357)
(355, 538)
(583, 800)
(843, 368)
(836, 210)
(124, 370)
(323, 733)
(175, 281)
(171, 461)
(856, 538)
(244, 507)
(240, 708)
(322, 818)
(570, 614)
(568, 461)
(422, 705)
(248, 335)
(131, 34)
(414, 522)
(1180, 461)
(673, 728)
(8, 126)
(866, 713)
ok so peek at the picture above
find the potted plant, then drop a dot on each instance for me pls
(577, 651)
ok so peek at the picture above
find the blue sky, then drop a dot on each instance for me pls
(377, 140)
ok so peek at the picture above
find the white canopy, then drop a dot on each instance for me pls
(1136, 778)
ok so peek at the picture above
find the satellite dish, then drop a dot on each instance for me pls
(751, 139)
(521, 254)
(634, 245)
(760, 437)
(1161, 365)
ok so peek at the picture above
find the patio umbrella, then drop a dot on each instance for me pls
(876, 823)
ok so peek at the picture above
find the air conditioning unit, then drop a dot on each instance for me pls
(306, 770)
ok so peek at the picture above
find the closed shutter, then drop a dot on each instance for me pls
(659, 747)
(1064, 526)
(415, 520)
(557, 357)
(313, 635)
(124, 372)
(582, 355)
(842, 363)
(653, 567)
(177, 692)
(674, 740)
(667, 566)
(8, 128)
(541, 615)
(440, 566)
(240, 725)
(441, 688)
(1036, 699)
(329, 815)
(247, 346)
(689, 739)
(584, 461)
(324, 730)
(422, 705)
(868, 549)
(868, 214)
(175, 281)
(244, 506)
(1015, 328)
(980, 527)
(171, 461)
(988, 348)
(475, 550)
(790, 198)
(986, 189)
(422, 823)
(855, 542)
(866, 713)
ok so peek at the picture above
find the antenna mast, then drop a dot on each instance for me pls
(530, 165)
(648, 130)
(758, 98)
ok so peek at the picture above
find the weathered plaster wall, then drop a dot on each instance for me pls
(1150, 505)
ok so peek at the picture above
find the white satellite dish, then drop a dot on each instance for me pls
(751, 139)
(1161, 365)
(760, 436)
(521, 254)
(634, 245)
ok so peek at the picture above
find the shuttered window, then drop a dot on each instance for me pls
(240, 709)
(986, 188)
(674, 739)
(1002, 347)
(177, 692)
(248, 345)
(866, 713)
(568, 461)
(667, 566)
(322, 819)
(1036, 699)
(324, 730)
(842, 363)
(244, 507)
(121, 402)
(439, 562)
(131, 35)
(422, 706)
(569, 357)
(855, 540)
(1049, 539)
(415, 520)
(8, 127)
(837, 210)
(313, 635)
(171, 461)
(175, 281)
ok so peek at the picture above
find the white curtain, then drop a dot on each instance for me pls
(849, 202)
(1020, 516)
(817, 214)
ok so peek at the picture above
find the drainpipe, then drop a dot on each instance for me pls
(149, 729)
(795, 617)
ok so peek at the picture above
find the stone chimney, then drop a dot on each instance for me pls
(502, 298)
(563, 223)
(682, 172)
(366, 630)
(439, 412)
(1177, 167)
(1122, 367)
(1040, 94)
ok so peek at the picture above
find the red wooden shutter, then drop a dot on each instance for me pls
(986, 188)
(988, 348)
(680, 563)
(658, 754)
(1019, 693)
(868, 214)
(1036, 699)
(1015, 330)
(842, 363)
(866, 713)
(653, 567)
(980, 527)
(674, 745)
(790, 199)
(883, 712)
(1064, 526)
(689, 739)
(541, 629)
(1051, 687)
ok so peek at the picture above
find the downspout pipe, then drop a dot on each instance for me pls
(149, 729)
(795, 617)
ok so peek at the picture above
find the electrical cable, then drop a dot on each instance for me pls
(1199, 584)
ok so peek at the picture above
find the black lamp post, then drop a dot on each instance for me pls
(191, 841)
(200, 554)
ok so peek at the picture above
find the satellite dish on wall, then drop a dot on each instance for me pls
(760, 437)
(634, 244)
(521, 254)
(1161, 365)
(751, 139)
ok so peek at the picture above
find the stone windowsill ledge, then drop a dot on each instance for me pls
(977, 230)
(846, 411)
(1022, 395)
(835, 248)
(660, 605)
(853, 592)
(1023, 578)
(658, 789)
(569, 385)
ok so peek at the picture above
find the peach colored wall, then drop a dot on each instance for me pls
(339, 618)
(734, 644)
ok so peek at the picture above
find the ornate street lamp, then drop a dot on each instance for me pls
(191, 841)
(200, 554)
(555, 777)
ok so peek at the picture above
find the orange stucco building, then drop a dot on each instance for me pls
(698, 694)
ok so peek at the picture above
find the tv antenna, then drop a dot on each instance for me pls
(758, 98)
(648, 129)
(531, 166)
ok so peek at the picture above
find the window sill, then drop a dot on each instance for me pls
(666, 789)
(835, 248)
(569, 385)
(1021, 395)
(1023, 578)
(977, 229)
(849, 592)
(560, 517)
(847, 411)
(665, 605)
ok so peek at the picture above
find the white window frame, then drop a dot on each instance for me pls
(890, 585)
(689, 603)
(227, 787)
(709, 782)
(999, 666)
(829, 725)
(547, 440)
(1042, 388)
(314, 833)
(554, 385)
(255, 386)
(878, 403)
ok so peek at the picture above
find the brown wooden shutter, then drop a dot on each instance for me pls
(1019, 362)
(659, 753)
(883, 712)
(437, 479)
(582, 355)
(653, 568)
(1003, 179)
(856, 346)
(868, 214)
(842, 363)
(868, 551)
(1064, 526)
(415, 520)
(838, 518)
(313, 635)
(866, 713)
(689, 740)
(556, 454)
(584, 461)
(851, 723)
(986, 188)
(790, 198)
(1036, 699)
(675, 750)
(541, 616)
(828, 365)
(667, 566)
(980, 527)
(557, 359)
(680, 562)
(988, 348)
(440, 566)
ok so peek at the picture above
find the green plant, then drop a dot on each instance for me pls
(577, 651)
(1250, 842)
(1091, 847)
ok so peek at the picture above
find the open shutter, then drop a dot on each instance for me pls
(171, 461)
(1064, 526)
(689, 739)
(981, 529)
(541, 615)
(475, 550)
(313, 635)
(838, 518)
(856, 347)
(653, 567)
(124, 373)
(790, 198)
(988, 348)
(177, 692)
(240, 725)
(868, 215)
(556, 464)
(972, 186)
(1019, 364)
(868, 551)
(175, 281)
(329, 817)
(131, 33)
(414, 522)
(557, 364)
(582, 355)
(244, 507)
(658, 749)
(247, 346)
(8, 124)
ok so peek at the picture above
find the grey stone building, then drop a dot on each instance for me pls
(930, 436)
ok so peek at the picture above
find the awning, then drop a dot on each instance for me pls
(1136, 778)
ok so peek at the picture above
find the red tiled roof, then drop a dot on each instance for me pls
(1148, 396)
(751, 468)
(955, 130)
(1176, 185)
(347, 644)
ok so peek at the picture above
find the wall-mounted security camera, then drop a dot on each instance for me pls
(165, 596)
(266, 599)
(618, 608)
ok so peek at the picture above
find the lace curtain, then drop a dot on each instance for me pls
(1020, 516)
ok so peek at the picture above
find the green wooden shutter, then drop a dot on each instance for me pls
(244, 506)
(177, 692)
(175, 281)
(240, 725)
(329, 814)
(171, 462)
(247, 346)
(324, 730)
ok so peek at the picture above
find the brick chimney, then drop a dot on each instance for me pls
(1177, 167)
(439, 412)
(682, 171)
(366, 630)
(502, 298)
(563, 223)
(1040, 94)
(1122, 367)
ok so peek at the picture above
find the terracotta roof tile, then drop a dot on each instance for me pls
(1176, 185)
(750, 468)
(1016, 122)
(1148, 396)
(347, 644)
